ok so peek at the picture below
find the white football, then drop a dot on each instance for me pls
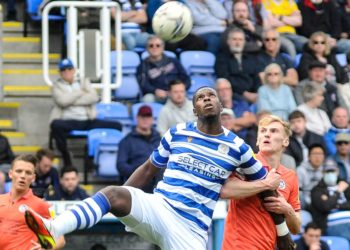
(172, 21)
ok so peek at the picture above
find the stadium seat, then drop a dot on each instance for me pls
(8, 186)
(129, 89)
(198, 62)
(336, 243)
(130, 61)
(306, 217)
(168, 53)
(197, 82)
(341, 58)
(103, 148)
(31, 14)
(156, 107)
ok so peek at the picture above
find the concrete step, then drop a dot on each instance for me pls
(8, 124)
(9, 110)
(28, 58)
(21, 44)
(16, 76)
(27, 90)
(15, 138)
(12, 28)
(24, 149)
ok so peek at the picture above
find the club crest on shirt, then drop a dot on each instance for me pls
(22, 208)
(189, 139)
(282, 185)
(223, 148)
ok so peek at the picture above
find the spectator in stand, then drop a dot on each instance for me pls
(274, 95)
(310, 173)
(136, 147)
(243, 117)
(330, 196)
(322, 15)
(46, 173)
(177, 109)
(311, 239)
(209, 21)
(342, 155)
(6, 154)
(227, 118)
(238, 67)
(285, 17)
(317, 120)
(156, 72)
(317, 74)
(74, 108)
(319, 49)
(11, 10)
(190, 42)
(301, 138)
(242, 20)
(2, 183)
(340, 124)
(68, 189)
(271, 54)
(133, 17)
(14, 232)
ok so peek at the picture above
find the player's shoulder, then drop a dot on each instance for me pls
(287, 173)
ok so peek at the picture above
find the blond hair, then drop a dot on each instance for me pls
(272, 118)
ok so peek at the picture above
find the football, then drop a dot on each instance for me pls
(172, 21)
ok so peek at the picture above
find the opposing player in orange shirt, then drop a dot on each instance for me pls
(14, 232)
(249, 225)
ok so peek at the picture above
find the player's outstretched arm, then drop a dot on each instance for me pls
(235, 188)
(142, 175)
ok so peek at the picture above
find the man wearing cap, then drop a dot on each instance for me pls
(317, 73)
(74, 108)
(341, 157)
(136, 147)
(330, 202)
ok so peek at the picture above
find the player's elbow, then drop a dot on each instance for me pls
(227, 193)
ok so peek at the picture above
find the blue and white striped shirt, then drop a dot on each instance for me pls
(197, 166)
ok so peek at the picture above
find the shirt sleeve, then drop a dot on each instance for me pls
(160, 156)
(293, 199)
(250, 166)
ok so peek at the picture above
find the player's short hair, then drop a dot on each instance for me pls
(296, 114)
(199, 89)
(272, 118)
(45, 152)
(30, 158)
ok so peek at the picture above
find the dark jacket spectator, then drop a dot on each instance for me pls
(157, 75)
(62, 195)
(45, 182)
(243, 77)
(136, 147)
(294, 148)
(6, 154)
(321, 17)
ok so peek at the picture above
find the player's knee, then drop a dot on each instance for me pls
(119, 199)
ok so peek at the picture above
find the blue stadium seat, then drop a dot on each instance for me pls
(130, 61)
(156, 107)
(306, 217)
(145, 54)
(336, 243)
(198, 62)
(197, 82)
(341, 58)
(32, 10)
(8, 186)
(129, 89)
(103, 148)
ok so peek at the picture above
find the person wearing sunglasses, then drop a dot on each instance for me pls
(271, 54)
(156, 72)
(319, 48)
(342, 155)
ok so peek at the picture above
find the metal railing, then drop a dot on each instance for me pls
(74, 41)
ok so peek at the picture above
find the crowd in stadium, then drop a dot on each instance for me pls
(282, 57)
